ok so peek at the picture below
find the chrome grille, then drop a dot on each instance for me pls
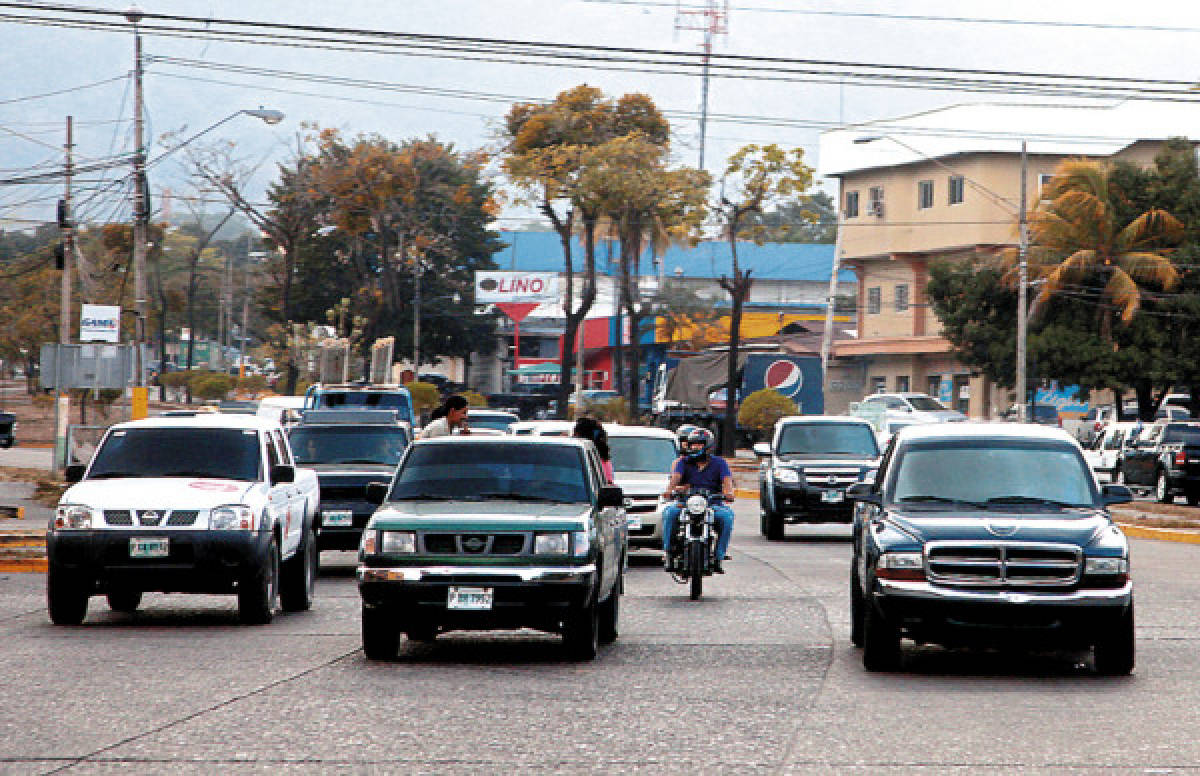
(999, 564)
(642, 504)
(118, 517)
(831, 478)
(474, 543)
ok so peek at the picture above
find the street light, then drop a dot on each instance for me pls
(1020, 210)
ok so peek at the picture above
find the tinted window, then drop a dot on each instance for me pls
(220, 453)
(979, 470)
(1188, 435)
(496, 421)
(642, 454)
(474, 472)
(926, 404)
(348, 444)
(375, 400)
(855, 439)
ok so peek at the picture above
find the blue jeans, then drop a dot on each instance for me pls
(722, 517)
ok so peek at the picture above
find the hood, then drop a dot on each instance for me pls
(160, 493)
(1078, 527)
(481, 515)
(942, 416)
(635, 483)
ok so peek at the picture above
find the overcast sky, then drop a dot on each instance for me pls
(38, 59)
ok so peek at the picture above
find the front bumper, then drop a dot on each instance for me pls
(199, 561)
(526, 596)
(945, 615)
(646, 530)
(804, 503)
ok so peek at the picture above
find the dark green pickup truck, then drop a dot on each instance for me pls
(485, 533)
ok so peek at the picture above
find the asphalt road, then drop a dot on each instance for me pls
(759, 676)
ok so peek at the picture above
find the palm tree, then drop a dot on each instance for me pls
(1078, 246)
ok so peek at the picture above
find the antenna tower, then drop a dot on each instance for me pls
(711, 18)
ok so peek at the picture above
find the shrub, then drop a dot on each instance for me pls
(611, 411)
(761, 410)
(424, 395)
(211, 385)
(251, 384)
(174, 379)
(474, 398)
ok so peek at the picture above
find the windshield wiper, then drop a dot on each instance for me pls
(195, 473)
(113, 475)
(364, 460)
(1035, 500)
(427, 497)
(937, 500)
(514, 496)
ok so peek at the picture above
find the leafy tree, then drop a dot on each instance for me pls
(762, 409)
(810, 219)
(424, 395)
(756, 176)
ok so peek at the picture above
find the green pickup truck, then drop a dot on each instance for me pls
(487, 533)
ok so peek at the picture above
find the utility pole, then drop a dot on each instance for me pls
(1022, 290)
(140, 205)
(713, 19)
(68, 247)
(827, 335)
(416, 316)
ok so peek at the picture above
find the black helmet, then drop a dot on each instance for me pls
(698, 444)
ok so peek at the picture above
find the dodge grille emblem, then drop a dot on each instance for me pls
(997, 528)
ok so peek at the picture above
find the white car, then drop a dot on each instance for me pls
(210, 503)
(1105, 453)
(494, 422)
(919, 407)
(642, 458)
(542, 428)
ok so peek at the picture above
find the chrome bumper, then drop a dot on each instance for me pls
(924, 591)
(436, 573)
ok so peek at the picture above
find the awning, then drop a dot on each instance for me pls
(529, 370)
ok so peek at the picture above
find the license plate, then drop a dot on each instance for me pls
(337, 517)
(634, 522)
(832, 497)
(149, 548)
(470, 598)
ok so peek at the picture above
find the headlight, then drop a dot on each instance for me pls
(370, 541)
(551, 544)
(786, 475)
(232, 517)
(697, 504)
(1106, 566)
(900, 565)
(399, 542)
(73, 516)
(581, 542)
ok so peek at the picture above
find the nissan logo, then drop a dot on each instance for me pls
(474, 544)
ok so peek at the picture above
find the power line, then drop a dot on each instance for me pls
(57, 92)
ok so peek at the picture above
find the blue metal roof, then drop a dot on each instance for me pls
(542, 252)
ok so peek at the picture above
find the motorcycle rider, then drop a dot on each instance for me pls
(699, 468)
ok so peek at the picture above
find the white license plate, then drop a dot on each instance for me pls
(832, 497)
(634, 522)
(337, 517)
(149, 548)
(470, 598)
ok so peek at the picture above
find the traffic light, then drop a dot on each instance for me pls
(60, 256)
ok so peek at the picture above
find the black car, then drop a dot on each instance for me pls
(348, 449)
(8, 428)
(1166, 456)
(807, 468)
(989, 534)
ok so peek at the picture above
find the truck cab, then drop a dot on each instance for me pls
(361, 396)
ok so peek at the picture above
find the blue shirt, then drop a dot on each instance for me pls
(709, 478)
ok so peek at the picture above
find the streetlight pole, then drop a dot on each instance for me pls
(140, 206)
(1022, 291)
(416, 317)
(827, 335)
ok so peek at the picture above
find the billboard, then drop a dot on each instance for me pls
(99, 323)
(501, 287)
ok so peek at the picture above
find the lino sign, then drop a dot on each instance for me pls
(100, 323)
(508, 287)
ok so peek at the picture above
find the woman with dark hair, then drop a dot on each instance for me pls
(449, 418)
(590, 429)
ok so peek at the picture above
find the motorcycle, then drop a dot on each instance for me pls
(694, 543)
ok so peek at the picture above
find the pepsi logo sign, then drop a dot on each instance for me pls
(785, 377)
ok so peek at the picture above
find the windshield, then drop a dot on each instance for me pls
(518, 471)
(821, 439)
(375, 400)
(642, 454)
(1188, 435)
(925, 404)
(995, 471)
(495, 421)
(348, 444)
(219, 453)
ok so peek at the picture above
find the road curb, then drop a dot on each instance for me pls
(1165, 534)
(22, 551)
(746, 493)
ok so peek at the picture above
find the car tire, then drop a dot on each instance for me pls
(66, 600)
(298, 577)
(1193, 497)
(773, 526)
(856, 609)
(581, 632)
(610, 618)
(258, 592)
(126, 601)
(380, 633)
(1162, 491)
(1114, 654)
(881, 642)
(695, 568)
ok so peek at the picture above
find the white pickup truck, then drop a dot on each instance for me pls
(204, 504)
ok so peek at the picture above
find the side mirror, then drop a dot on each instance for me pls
(864, 492)
(611, 496)
(74, 472)
(1116, 494)
(376, 492)
(282, 473)
(762, 450)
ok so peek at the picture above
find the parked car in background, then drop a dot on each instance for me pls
(1091, 424)
(361, 396)
(542, 428)
(1166, 457)
(284, 410)
(989, 534)
(642, 459)
(490, 421)
(1108, 449)
(917, 406)
(8, 429)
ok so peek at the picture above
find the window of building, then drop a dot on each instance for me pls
(874, 300)
(851, 210)
(901, 297)
(875, 201)
(1044, 181)
(924, 194)
(933, 385)
(901, 383)
(878, 384)
(956, 188)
